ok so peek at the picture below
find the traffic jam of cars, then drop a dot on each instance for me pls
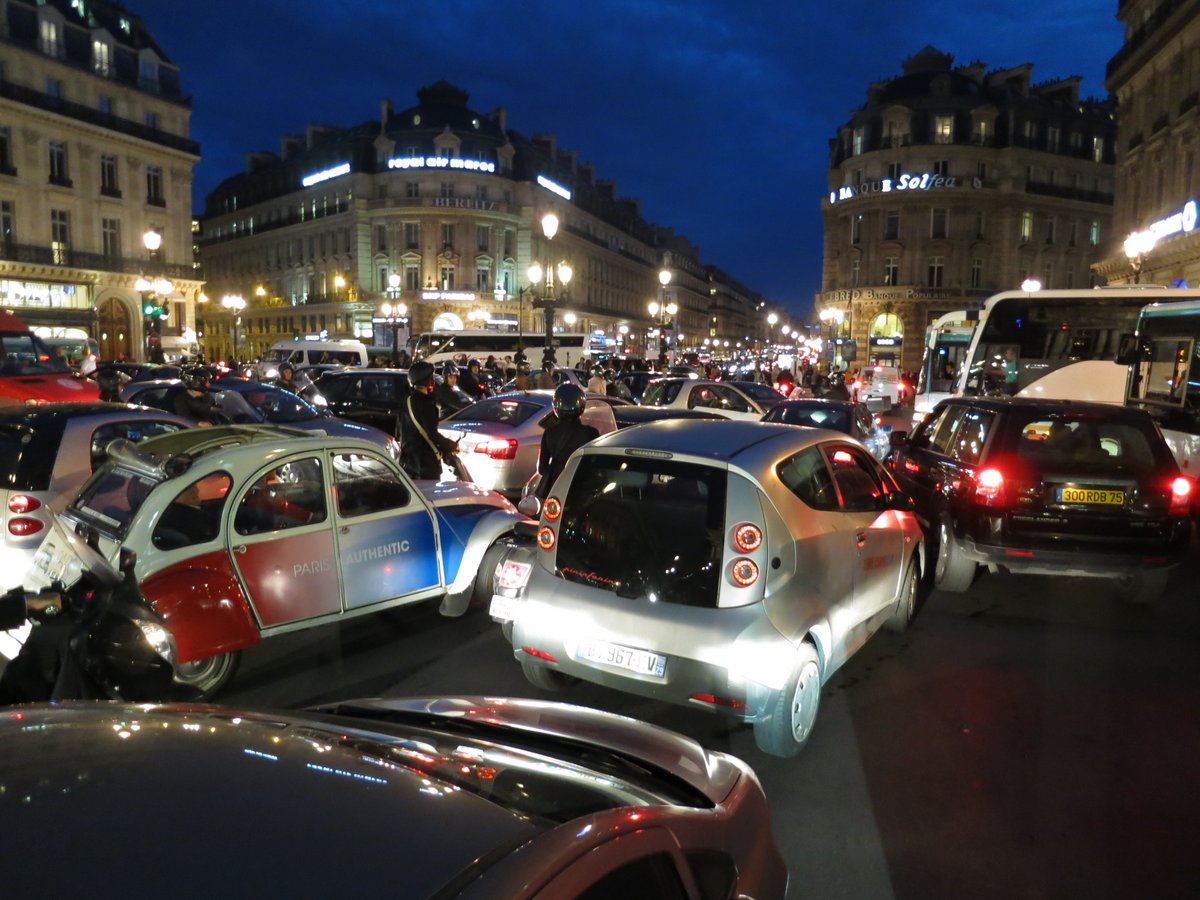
(720, 548)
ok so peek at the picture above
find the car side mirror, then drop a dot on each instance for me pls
(897, 438)
(530, 506)
(899, 501)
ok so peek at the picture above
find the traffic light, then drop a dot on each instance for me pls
(153, 310)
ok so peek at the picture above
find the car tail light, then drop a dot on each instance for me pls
(744, 572)
(24, 527)
(498, 448)
(726, 702)
(539, 654)
(1181, 496)
(747, 537)
(552, 510)
(545, 538)
(23, 503)
(990, 487)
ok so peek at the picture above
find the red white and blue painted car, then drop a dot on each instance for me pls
(245, 532)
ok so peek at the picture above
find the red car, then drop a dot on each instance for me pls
(29, 370)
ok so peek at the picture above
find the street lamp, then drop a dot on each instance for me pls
(664, 312)
(833, 316)
(395, 316)
(569, 319)
(1138, 246)
(549, 300)
(1031, 285)
(235, 303)
(622, 336)
(154, 293)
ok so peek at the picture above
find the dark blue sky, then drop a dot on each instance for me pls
(716, 115)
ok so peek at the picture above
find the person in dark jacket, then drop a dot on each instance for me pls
(195, 401)
(563, 436)
(449, 396)
(422, 446)
(469, 381)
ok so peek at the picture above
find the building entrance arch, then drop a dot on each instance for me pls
(114, 329)
(886, 339)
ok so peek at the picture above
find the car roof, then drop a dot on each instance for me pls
(65, 411)
(817, 403)
(726, 440)
(1000, 404)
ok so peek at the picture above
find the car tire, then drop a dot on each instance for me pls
(546, 678)
(906, 603)
(205, 678)
(953, 572)
(487, 570)
(792, 712)
(1144, 587)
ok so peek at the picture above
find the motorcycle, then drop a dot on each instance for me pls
(101, 640)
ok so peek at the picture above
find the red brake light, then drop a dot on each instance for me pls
(23, 503)
(545, 538)
(841, 456)
(498, 448)
(24, 527)
(989, 487)
(552, 510)
(747, 537)
(744, 572)
(1181, 495)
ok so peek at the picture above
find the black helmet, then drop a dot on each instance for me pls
(195, 378)
(288, 366)
(449, 369)
(473, 363)
(420, 373)
(569, 400)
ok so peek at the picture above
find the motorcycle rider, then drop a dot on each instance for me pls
(837, 387)
(422, 446)
(563, 436)
(449, 396)
(597, 383)
(469, 382)
(195, 401)
(296, 382)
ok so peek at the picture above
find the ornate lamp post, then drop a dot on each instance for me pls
(1138, 246)
(664, 313)
(154, 293)
(549, 300)
(833, 316)
(235, 303)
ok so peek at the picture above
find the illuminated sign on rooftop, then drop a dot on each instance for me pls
(554, 187)
(926, 181)
(325, 175)
(441, 162)
(447, 295)
(1182, 221)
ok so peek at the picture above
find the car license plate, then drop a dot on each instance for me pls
(1090, 495)
(641, 661)
(501, 608)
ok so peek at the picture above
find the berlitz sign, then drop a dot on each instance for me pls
(906, 182)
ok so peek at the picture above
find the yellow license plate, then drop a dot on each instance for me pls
(1091, 495)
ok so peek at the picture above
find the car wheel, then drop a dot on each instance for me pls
(546, 678)
(906, 604)
(953, 571)
(1144, 587)
(793, 710)
(487, 570)
(205, 678)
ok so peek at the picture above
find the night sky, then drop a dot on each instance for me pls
(716, 115)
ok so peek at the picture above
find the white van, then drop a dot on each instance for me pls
(177, 349)
(302, 354)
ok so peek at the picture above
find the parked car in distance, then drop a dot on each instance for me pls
(245, 532)
(367, 396)
(727, 566)
(494, 797)
(845, 416)
(255, 403)
(499, 438)
(699, 393)
(1046, 487)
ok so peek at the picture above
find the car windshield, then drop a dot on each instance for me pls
(661, 393)
(498, 410)
(644, 528)
(280, 407)
(834, 418)
(112, 497)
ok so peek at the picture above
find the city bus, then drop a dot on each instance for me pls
(1164, 375)
(439, 346)
(945, 349)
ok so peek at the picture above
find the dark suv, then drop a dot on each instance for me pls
(1045, 487)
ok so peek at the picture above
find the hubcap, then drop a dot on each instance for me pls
(804, 701)
(202, 673)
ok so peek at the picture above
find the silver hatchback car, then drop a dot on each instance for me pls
(731, 566)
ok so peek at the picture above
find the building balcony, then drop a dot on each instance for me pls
(38, 254)
(1045, 189)
(106, 191)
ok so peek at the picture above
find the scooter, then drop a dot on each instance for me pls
(101, 640)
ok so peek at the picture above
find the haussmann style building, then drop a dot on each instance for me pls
(952, 183)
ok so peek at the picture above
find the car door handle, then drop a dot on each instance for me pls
(345, 529)
(860, 538)
(240, 548)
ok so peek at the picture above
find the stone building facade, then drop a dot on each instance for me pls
(94, 152)
(1155, 77)
(438, 207)
(952, 183)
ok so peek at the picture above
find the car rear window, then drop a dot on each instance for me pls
(111, 498)
(1087, 444)
(500, 410)
(27, 455)
(661, 393)
(644, 528)
(836, 419)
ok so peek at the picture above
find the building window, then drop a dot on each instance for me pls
(59, 173)
(110, 238)
(937, 224)
(1049, 282)
(508, 242)
(891, 269)
(54, 88)
(448, 236)
(447, 190)
(154, 186)
(7, 220)
(1050, 230)
(148, 74)
(412, 189)
(1026, 226)
(977, 273)
(855, 271)
(101, 58)
(1028, 132)
(937, 265)
(447, 278)
(481, 193)
(981, 171)
(381, 243)
(943, 129)
(856, 142)
(856, 222)
(6, 153)
(481, 238)
(109, 186)
(979, 224)
(50, 40)
(152, 120)
(412, 276)
(891, 225)
(941, 167)
(412, 235)
(1074, 233)
(1094, 233)
(60, 235)
(1053, 138)
(894, 170)
(1098, 149)
(105, 104)
(483, 280)
(981, 132)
